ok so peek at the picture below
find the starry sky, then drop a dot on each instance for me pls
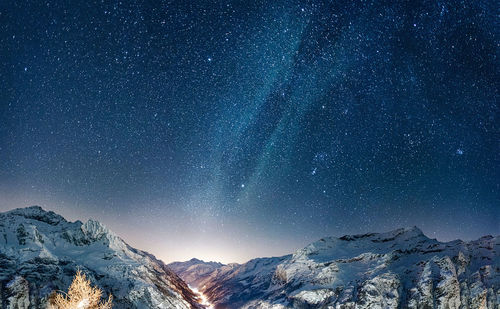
(227, 130)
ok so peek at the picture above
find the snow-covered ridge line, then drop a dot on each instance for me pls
(40, 251)
(397, 269)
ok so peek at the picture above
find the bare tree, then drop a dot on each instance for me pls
(81, 295)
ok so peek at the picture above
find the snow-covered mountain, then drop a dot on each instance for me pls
(194, 271)
(398, 269)
(40, 252)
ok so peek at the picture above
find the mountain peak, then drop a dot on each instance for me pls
(36, 252)
(198, 261)
(401, 233)
(408, 232)
(195, 260)
(37, 213)
(95, 230)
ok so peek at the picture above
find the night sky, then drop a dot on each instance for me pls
(231, 130)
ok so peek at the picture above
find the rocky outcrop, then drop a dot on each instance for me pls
(40, 252)
(17, 293)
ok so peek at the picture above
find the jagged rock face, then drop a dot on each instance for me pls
(398, 269)
(40, 252)
(18, 293)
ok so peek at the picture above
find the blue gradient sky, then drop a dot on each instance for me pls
(234, 130)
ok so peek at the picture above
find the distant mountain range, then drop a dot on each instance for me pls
(195, 271)
(40, 252)
(399, 269)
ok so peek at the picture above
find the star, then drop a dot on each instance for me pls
(309, 111)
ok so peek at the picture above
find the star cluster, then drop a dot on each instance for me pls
(236, 129)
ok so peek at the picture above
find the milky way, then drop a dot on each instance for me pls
(238, 129)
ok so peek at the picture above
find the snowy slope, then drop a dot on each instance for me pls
(40, 252)
(398, 269)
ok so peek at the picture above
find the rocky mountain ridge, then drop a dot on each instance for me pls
(399, 269)
(40, 252)
(194, 271)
